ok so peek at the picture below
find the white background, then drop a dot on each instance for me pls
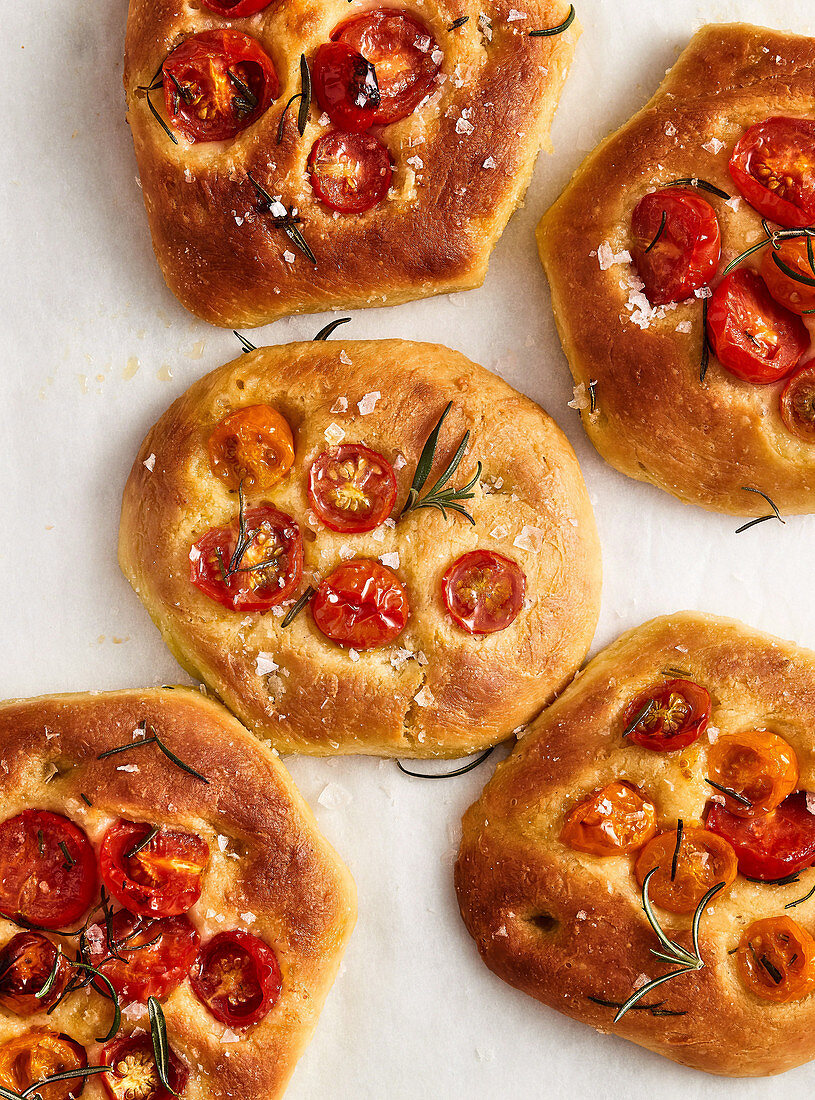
(82, 304)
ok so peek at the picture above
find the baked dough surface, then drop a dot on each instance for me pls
(437, 690)
(654, 420)
(592, 939)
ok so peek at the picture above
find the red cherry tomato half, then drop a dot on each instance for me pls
(362, 604)
(217, 83)
(42, 882)
(753, 336)
(161, 879)
(133, 1072)
(351, 488)
(268, 571)
(772, 845)
(773, 165)
(154, 953)
(669, 716)
(350, 173)
(483, 591)
(345, 86)
(41, 1053)
(237, 9)
(237, 977)
(798, 403)
(677, 255)
(26, 963)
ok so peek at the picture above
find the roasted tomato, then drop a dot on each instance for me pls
(754, 770)
(617, 818)
(770, 846)
(677, 244)
(217, 83)
(668, 716)
(238, 9)
(798, 403)
(160, 878)
(350, 173)
(345, 86)
(47, 869)
(253, 573)
(483, 591)
(149, 956)
(776, 959)
(40, 1053)
(753, 336)
(237, 977)
(26, 964)
(796, 293)
(689, 863)
(254, 446)
(773, 165)
(362, 604)
(351, 488)
(133, 1073)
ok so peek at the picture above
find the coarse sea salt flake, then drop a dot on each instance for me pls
(514, 15)
(345, 358)
(248, 918)
(684, 326)
(463, 126)
(714, 146)
(499, 532)
(390, 560)
(150, 463)
(265, 663)
(340, 405)
(368, 402)
(334, 434)
(128, 768)
(289, 257)
(352, 653)
(424, 697)
(489, 162)
(530, 538)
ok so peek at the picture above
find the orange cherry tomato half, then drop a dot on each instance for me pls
(798, 403)
(677, 244)
(42, 882)
(26, 963)
(617, 818)
(161, 879)
(238, 9)
(759, 767)
(41, 1053)
(770, 846)
(217, 83)
(254, 446)
(362, 605)
(237, 977)
(794, 294)
(483, 591)
(703, 861)
(753, 336)
(350, 173)
(133, 1072)
(773, 166)
(351, 488)
(268, 571)
(776, 959)
(668, 716)
(149, 956)
(345, 86)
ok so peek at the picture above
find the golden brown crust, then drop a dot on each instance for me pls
(445, 211)
(654, 420)
(270, 872)
(592, 939)
(471, 691)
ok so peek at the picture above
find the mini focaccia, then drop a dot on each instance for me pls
(683, 278)
(171, 918)
(298, 157)
(365, 547)
(643, 861)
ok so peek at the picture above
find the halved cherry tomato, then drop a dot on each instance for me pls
(776, 958)
(756, 765)
(350, 173)
(149, 956)
(345, 86)
(773, 845)
(362, 604)
(794, 294)
(617, 818)
(217, 83)
(38, 1054)
(351, 488)
(237, 977)
(254, 446)
(703, 861)
(237, 9)
(798, 403)
(753, 336)
(677, 244)
(668, 716)
(26, 964)
(267, 572)
(483, 591)
(161, 879)
(133, 1073)
(773, 165)
(42, 882)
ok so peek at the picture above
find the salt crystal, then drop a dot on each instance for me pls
(499, 532)
(684, 326)
(670, 129)
(530, 538)
(352, 653)
(150, 462)
(489, 162)
(514, 15)
(703, 292)
(340, 405)
(399, 462)
(415, 162)
(424, 697)
(368, 402)
(289, 257)
(811, 802)
(128, 768)
(734, 203)
(334, 434)
(714, 146)
(248, 918)
(390, 560)
(463, 126)
(265, 663)
(712, 734)
(345, 358)
(334, 796)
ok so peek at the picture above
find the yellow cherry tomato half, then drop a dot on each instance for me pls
(776, 959)
(755, 770)
(252, 445)
(688, 863)
(614, 819)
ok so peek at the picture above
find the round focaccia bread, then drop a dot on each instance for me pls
(406, 677)
(560, 916)
(234, 915)
(647, 402)
(241, 234)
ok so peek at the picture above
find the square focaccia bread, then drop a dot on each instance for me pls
(301, 156)
(451, 576)
(683, 278)
(643, 860)
(168, 906)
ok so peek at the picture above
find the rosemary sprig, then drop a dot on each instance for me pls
(438, 496)
(304, 95)
(296, 608)
(787, 880)
(154, 739)
(800, 901)
(288, 221)
(655, 1009)
(772, 237)
(447, 775)
(702, 185)
(147, 89)
(660, 231)
(462, 19)
(791, 272)
(161, 1048)
(80, 964)
(704, 362)
(761, 519)
(246, 100)
(69, 859)
(32, 1093)
(245, 540)
(675, 861)
(549, 31)
(325, 332)
(48, 984)
(142, 844)
(592, 395)
(740, 798)
(639, 717)
(40, 842)
(86, 800)
(246, 345)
